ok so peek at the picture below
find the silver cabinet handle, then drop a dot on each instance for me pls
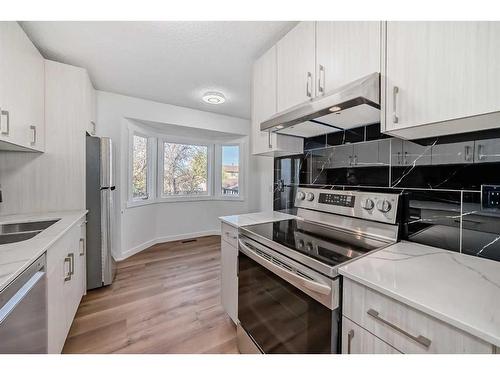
(308, 85)
(68, 275)
(269, 139)
(480, 152)
(33, 134)
(395, 91)
(467, 153)
(82, 248)
(350, 159)
(355, 160)
(7, 116)
(321, 80)
(400, 159)
(72, 263)
(350, 336)
(422, 340)
(93, 127)
(406, 158)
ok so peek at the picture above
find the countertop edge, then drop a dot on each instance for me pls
(485, 336)
(267, 217)
(78, 216)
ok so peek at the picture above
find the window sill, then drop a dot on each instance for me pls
(139, 203)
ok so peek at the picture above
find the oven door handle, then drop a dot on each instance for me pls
(284, 273)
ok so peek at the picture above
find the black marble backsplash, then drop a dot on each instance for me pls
(439, 180)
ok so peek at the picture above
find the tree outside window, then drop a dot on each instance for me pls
(140, 167)
(185, 169)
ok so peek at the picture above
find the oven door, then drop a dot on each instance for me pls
(283, 306)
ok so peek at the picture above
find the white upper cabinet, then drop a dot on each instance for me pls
(264, 106)
(263, 100)
(22, 82)
(296, 66)
(437, 72)
(345, 51)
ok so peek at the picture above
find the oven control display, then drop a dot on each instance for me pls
(336, 199)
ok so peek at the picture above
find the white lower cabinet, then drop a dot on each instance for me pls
(66, 270)
(400, 326)
(357, 340)
(229, 272)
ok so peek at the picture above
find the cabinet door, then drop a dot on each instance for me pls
(437, 71)
(82, 254)
(263, 100)
(365, 154)
(22, 81)
(58, 269)
(453, 153)
(345, 51)
(403, 153)
(264, 106)
(487, 151)
(73, 288)
(341, 156)
(296, 66)
(415, 154)
(357, 340)
(229, 279)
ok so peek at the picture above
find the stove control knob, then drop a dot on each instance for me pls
(301, 195)
(367, 204)
(310, 197)
(384, 205)
(300, 244)
(309, 247)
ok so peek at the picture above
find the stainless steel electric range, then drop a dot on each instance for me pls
(289, 289)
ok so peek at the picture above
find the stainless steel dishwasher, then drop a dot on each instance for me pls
(23, 312)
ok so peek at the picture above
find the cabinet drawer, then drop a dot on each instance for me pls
(406, 329)
(229, 234)
(357, 340)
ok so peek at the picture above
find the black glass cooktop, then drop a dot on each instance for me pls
(327, 245)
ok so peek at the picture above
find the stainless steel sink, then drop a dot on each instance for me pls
(26, 227)
(17, 232)
(17, 237)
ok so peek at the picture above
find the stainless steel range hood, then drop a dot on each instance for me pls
(349, 106)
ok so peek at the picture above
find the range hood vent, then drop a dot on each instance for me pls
(355, 104)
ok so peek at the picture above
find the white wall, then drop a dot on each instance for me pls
(140, 227)
(53, 180)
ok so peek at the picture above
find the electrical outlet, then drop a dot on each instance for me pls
(490, 197)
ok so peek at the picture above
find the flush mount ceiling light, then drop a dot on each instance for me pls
(335, 109)
(214, 97)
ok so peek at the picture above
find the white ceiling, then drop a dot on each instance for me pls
(169, 62)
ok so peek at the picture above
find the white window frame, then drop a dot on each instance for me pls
(155, 168)
(218, 175)
(151, 184)
(161, 197)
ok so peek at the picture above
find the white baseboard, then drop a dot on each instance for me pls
(137, 249)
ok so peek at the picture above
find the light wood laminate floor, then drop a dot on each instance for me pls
(165, 299)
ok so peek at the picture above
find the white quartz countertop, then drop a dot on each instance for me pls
(16, 257)
(255, 218)
(461, 290)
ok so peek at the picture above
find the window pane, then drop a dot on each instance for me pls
(185, 169)
(140, 167)
(230, 170)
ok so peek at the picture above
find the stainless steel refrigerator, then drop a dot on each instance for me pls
(100, 185)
